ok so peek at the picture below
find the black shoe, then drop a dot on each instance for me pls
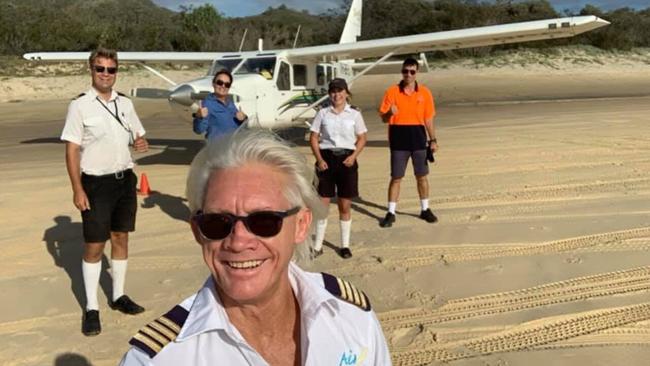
(315, 253)
(90, 325)
(428, 216)
(126, 305)
(345, 253)
(388, 220)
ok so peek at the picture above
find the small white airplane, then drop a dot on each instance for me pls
(279, 88)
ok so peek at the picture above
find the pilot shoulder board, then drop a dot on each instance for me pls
(153, 337)
(79, 96)
(346, 291)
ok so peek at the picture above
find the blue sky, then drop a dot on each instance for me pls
(237, 8)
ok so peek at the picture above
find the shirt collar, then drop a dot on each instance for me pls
(207, 313)
(213, 97)
(346, 109)
(93, 93)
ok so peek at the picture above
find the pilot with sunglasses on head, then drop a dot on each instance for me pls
(99, 127)
(408, 109)
(218, 114)
(253, 202)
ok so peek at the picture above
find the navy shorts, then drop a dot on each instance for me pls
(400, 158)
(338, 180)
(113, 203)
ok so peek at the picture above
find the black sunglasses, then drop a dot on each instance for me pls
(222, 83)
(217, 226)
(101, 69)
(407, 71)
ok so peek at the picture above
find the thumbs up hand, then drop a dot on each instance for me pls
(241, 116)
(140, 144)
(203, 111)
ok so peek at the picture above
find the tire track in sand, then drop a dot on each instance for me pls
(576, 289)
(527, 336)
(459, 253)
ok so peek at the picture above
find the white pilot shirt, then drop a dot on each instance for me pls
(104, 142)
(333, 332)
(338, 131)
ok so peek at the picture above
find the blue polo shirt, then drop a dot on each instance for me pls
(221, 118)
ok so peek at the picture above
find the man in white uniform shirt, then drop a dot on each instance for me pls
(338, 134)
(252, 201)
(99, 127)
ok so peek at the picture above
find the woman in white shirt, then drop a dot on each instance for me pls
(338, 134)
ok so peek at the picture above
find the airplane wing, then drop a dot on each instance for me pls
(178, 57)
(455, 39)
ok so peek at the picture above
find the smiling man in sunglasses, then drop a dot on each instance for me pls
(218, 115)
(100, 126)
(253, 202)
(408, 109)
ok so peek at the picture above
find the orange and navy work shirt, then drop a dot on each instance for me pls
(406, 129)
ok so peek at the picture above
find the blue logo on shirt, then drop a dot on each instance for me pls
(351, 359)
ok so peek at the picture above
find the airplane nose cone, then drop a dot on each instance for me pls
(182, 95)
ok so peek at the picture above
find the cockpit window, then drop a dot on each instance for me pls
(261, 65)
(224, 63)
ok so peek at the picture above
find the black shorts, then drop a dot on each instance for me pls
(113, 203)
(399, 159)
(338, 179)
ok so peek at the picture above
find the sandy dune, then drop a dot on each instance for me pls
(540, 256)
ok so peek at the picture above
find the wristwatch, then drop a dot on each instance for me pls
(433, 141)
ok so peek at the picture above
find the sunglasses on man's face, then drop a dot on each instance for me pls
(265, 224)
(222, 83)
(408, 71)
(100, 69)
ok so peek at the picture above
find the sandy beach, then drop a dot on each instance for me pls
(540, 256)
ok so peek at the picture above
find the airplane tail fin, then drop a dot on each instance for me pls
(352, 28)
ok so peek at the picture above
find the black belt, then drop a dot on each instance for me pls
(117, 175)
(340, 152)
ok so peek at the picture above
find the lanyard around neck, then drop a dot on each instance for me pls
(115, 115)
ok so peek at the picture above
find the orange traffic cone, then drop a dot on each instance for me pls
(144, 190)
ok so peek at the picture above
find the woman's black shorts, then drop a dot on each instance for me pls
(338, 180)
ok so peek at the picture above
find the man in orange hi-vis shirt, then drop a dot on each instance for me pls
(408, 109)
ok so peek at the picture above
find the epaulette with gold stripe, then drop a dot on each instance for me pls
(122, 94)
(153, 337)
(346, 291)
(79, 96)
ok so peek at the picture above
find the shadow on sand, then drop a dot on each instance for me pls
(64, 241)
(71, 359)
(173, 206)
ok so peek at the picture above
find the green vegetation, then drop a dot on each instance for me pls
(140, 25)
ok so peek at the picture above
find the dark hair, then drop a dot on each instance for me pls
(338, 83)
(222, 72)
(410, 61)
(103, 53)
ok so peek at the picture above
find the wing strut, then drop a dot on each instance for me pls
(368, 68)
(155, 72)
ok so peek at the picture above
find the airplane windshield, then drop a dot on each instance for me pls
(261, 65)
(228, 64)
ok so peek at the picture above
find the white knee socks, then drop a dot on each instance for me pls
(118, 272)
(91, 272)
(321, 226)
(345, 233)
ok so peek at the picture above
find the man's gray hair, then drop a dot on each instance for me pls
(257, 146)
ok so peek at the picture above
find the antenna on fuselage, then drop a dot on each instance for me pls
(260, 44)
(243, 38)
(295, 40)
